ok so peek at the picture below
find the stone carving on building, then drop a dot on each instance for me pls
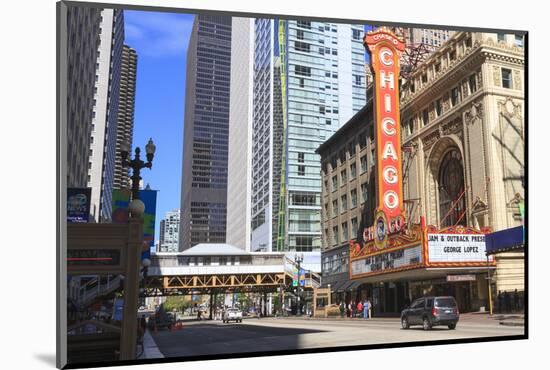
(479, 79)
(510, 109)
(517, 80)
(429, 140)
(496, 76)
(475, 112)
(452, 127)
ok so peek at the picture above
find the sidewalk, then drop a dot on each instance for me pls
(150, 349)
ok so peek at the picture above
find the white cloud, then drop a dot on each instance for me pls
(157, 34)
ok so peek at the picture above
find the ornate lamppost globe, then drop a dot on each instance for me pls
(136, 207)
(146, 262)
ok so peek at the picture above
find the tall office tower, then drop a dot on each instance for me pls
(82, 42)
(169, 232)
(309, 78)
(104, 123)
(204, 175)
(239, 180)
(125, 119)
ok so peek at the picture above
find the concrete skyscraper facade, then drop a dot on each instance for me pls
(101, 167)
(125, 120)
(82, 41)
(204, 175)
(309, 78)
(169, 232)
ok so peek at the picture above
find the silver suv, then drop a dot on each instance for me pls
(232, 314)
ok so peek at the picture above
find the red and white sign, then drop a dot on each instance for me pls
(385, 50)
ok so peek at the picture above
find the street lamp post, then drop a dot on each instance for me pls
(137, 164)
(298, 259)
(135, 223)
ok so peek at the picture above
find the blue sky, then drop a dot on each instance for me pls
(161, 41)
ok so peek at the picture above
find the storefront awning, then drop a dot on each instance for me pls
(504, 240)
(350, 285)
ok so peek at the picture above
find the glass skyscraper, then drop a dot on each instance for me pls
(309, 79)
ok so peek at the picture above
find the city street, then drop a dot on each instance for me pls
(273, 334)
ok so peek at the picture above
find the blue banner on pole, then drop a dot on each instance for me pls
(78, 204)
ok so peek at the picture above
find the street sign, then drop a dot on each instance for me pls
(456, 278)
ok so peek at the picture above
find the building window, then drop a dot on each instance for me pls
(351, 149)
(472, 83)
(455, 96)
(344, 201)
(438, 107)
(353, 195)
(335, 235)
(424, 78)
(452, 201)
(352, 171)
(301, 157)
(345, 234)
(356, 34)
(322, 109)
(344, 177)
(301, 170)
(452, 55)
(302, 84)
(363, 164)
(364, 192)
(302, 46)
(300, 34)
(354, 227)
(335, 208)
(437, 67)
(500, 37)
(425, 117)
(506, 78)
(411, 126)
(518, 40)
(302, 71)
(334, 183)
(304, 24)
(468, 42)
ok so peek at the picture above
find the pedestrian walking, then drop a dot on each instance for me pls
(342, 309)
(369, 304)
(359, 308)
(366, 309)
(516, 300)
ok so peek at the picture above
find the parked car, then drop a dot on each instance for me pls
(232, 314)
(430, 312)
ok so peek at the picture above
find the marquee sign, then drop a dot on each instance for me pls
(456, 248)
(385, 50)
(388, 262)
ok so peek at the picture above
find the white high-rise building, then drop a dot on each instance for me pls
(239, 175)
(308, 79)
(169, 232)
(101, 166)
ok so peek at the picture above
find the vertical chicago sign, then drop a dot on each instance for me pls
(385, 50)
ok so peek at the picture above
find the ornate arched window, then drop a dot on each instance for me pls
(452, 197)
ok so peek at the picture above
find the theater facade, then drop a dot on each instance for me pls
(461, 160)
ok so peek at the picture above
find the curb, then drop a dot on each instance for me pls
(150, 349)
(512, 323)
